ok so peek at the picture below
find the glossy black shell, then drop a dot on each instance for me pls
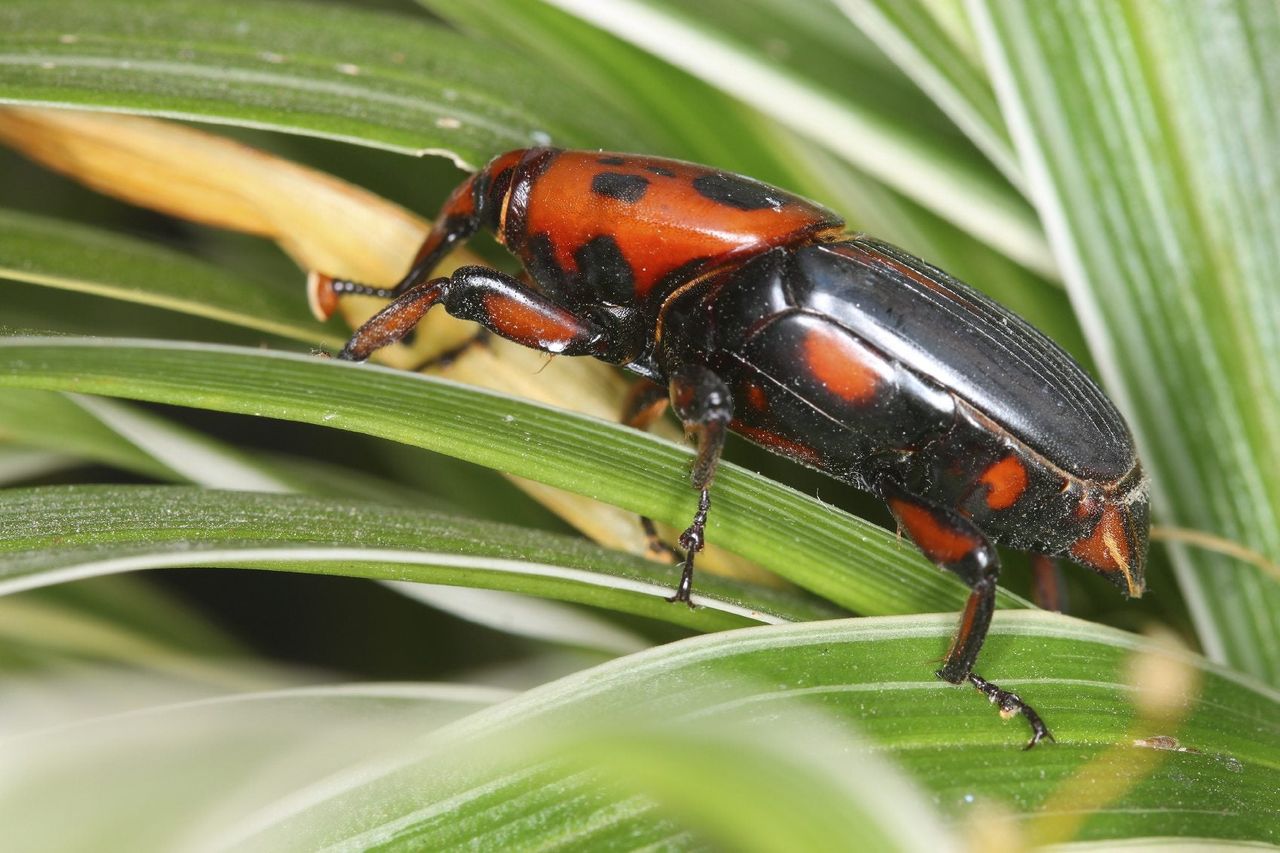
(941, 338)
(945, 330)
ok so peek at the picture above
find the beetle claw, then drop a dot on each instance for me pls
(684, 591)
(682, 595)
(1010, 705)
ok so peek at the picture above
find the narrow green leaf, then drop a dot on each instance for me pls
(145, 608)
(803, 65)
(1147, 131)
(810, 783)
(59, 635)
(525, 616)
(946, 65)
(844, 559)
(702, 124)
(55, 534)
(868, 673)
(43, 310)
(167, 775)
(57, 422)
(19, 463)
(74, 257)
(141, 442)
(152, 441)
(385, 80)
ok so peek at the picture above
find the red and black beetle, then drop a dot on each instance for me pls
(760, 315)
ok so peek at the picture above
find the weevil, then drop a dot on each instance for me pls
(752, 310)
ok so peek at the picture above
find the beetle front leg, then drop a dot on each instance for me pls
(495, 300)
(704, 405)
(953, 542)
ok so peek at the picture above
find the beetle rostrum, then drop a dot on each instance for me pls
(752, 310)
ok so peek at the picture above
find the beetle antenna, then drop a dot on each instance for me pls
(1216, 544)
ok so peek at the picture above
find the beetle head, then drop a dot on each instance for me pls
(1116, 544)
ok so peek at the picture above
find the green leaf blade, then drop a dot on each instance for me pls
(868, 673)
(846, 560)
(57, 254)
(373, 79)
(896, 136)
(54, 534)
(1128, 119)
(944, 65)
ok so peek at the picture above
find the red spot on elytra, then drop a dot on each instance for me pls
(785, 446)
(841, 364)
(1006, 480)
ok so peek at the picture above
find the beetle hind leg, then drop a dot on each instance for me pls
(953, 542)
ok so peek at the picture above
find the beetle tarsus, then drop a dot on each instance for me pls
(1009, 704)
(684, 591)
(692, 541)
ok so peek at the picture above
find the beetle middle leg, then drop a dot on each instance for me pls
(702, 401)
(645, 403)
(954, 543)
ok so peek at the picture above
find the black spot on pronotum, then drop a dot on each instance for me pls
(660, 170)
(612, 161)
(540, 261)
(731, 190)
(603, 272)
(616, 185)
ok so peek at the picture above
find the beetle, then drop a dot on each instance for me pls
(752, 310)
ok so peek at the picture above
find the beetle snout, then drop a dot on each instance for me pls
(1116, 546)
(1137, 525)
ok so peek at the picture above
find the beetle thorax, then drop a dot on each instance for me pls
(619, 230)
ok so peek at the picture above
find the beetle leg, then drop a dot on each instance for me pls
(495, 300)
(954, 543)
(704, 405)
(645, 403)
(1048, 589)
